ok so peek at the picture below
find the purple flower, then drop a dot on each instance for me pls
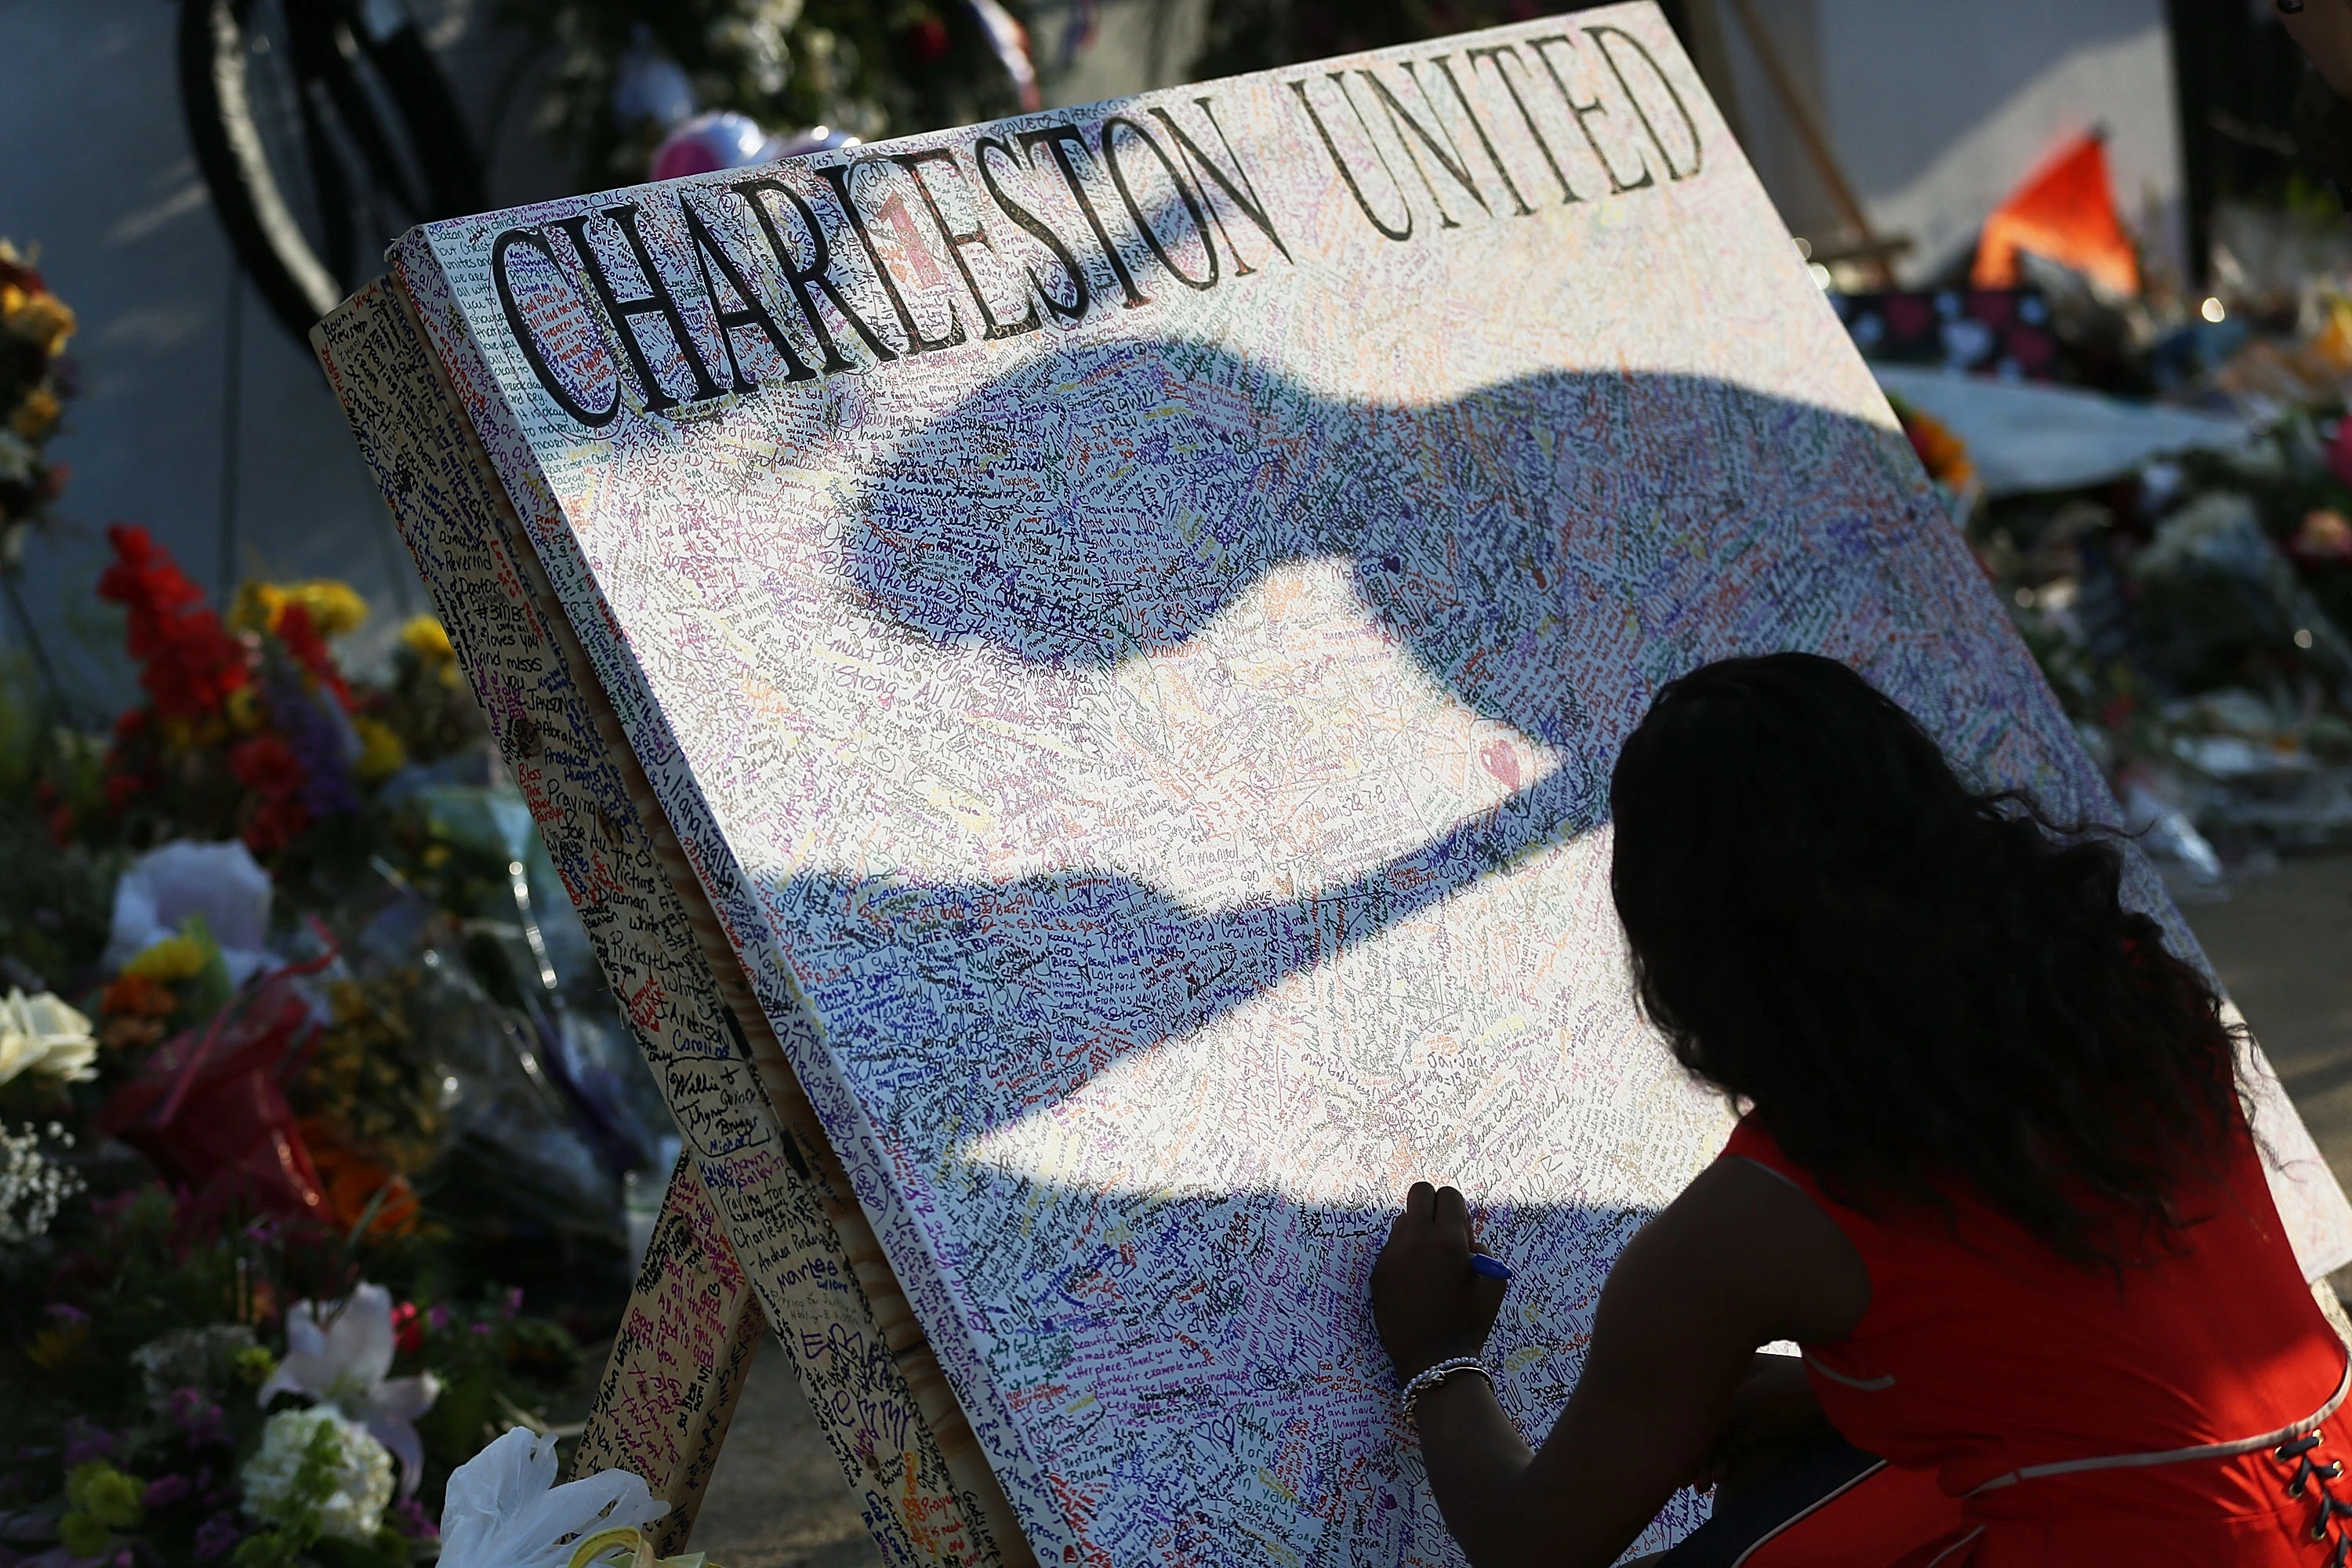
(84, 1442)
(513, 1303)
(66, 1315)
(321, 740)
(216, 1535)
(481, 1331)
(199, 1417)
(408, 1517)
(438, 1318)
(164, 1491)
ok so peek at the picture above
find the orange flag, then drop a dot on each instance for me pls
(2064, 211)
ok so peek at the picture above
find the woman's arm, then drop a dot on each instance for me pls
(2323, 28)
(1741, 1258)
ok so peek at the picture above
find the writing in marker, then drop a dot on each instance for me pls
(1492, 1267)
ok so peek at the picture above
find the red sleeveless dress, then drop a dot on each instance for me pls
(2034, 1411)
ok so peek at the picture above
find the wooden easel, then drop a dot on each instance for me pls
(760, 1227)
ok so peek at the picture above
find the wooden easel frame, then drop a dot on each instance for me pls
(758, 1228)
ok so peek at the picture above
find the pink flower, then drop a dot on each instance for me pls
(408, 1329)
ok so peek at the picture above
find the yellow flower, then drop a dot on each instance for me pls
(98, 1488)
(84, 1534)
(252, 1365)
(380, 752)
(426, 638)
(36, 413)
(243, 709)
(174, 958)
(257, 607)
(334, 607)
(55, 1347)
(42, 319)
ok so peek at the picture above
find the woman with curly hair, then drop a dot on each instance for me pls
(1993, 1174)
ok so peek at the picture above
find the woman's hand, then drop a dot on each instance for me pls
(1429, 1304)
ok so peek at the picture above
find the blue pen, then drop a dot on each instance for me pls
(1492, 1267)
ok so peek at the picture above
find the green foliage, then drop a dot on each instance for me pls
(56, 900)
(871, 70)
(1259, 35)
(492, 1365)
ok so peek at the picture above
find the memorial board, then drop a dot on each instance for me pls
(1122, 618)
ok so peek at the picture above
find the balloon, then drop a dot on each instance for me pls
(720, 139)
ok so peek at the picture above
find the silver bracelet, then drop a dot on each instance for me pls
(1429, 1377)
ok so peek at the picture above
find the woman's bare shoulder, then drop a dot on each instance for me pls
(1757, 1248)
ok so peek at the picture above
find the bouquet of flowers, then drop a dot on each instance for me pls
(35, 383)
(245, 1435)
(629, 70)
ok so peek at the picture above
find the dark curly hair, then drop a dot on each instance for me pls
(1915, 983)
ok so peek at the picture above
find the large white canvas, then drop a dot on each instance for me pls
(1153, 764)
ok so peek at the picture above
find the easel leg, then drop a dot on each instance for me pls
(686, 1345)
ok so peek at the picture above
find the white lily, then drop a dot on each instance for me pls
(505, 1511)
(339, 1356)
(40, 1033)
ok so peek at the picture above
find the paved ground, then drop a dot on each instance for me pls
(777, 1499)
(2281, 941)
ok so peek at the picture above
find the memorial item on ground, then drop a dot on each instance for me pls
(233, 1085)
(1070, 667)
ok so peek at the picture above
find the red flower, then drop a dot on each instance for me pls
(122, 789)
(408, 1329)
(272, 825)
(267, 766)
(927, 40)
(190, 664)
(310, 649)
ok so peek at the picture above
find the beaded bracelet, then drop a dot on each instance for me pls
(1429, 1377)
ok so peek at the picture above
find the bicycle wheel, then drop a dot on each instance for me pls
(323, 130)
